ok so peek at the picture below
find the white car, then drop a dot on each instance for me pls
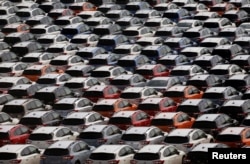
(51, 79)
(19, 153)
(62, 48)
(85, 40)
(34, 58)
(164, 154)
(107, 154)
(12, 69)
(77, 121)
(187, 138)
(138, 137)
(44, 136)
(6, 119)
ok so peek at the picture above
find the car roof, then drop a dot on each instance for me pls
(232, 130)
(147, 66)
(67, 100)
(208, 117)
(152, 100)
(50, 76)
(35, 67)
(107, 101)
(36, 114)
(134, 89)
(95, 128)
(177, 88)
(10, 79)
(165, 115)
(13, 148)
(6, 128)
(234, 102)
(216, 89)
(151, 148)
(22, 86)
(238, 76)
(200, 77)
(48, 89)
(97, 88)
(63, 144)
(181, 132)
(222, 66)
(46, 129)
(243, 57)
(123, 114)
(192, 102)
(138, 129)
(77, 80)
(8, 64)
(79, 115)
(18, 101)
(108, 148)
(204, 147)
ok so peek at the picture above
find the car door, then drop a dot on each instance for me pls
(125, 155)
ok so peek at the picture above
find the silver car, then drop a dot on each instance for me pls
(66, 152)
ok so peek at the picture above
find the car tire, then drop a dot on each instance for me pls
(183, 160)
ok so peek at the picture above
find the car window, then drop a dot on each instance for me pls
(25, 152)
(166, 153)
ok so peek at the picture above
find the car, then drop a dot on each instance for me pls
(88, 52)
(51, 94)
(104, 8)
(44, 136)
(66, 151)
(214, 123)
(238, 17)
(199, 154)
(168, 31)
(239, 3)
(127, 80)
(133, 7)
(17, 37)
(138, 137)
(77, 7)
(97, 92)
(80, 70)
(117, 14)
(35, 119)
(77, 121)
(206, 62)
(204, 15)
(239, 82)
(124, 49)
(39, 19)
(4, 46)
(109, 42)
(216, 24)
(110, 59)
(158, 22)
(163, 83)
(179, 43)
(194, 52)
(224, 71)
(7, 82)
(170, 61)
(245, 25)
(181, 3)
(41, 29)
(168, 121)
(205, 81)
(14, 134)
(53, 79)
(26, 13)
(51, 38)
(23, 153)
(56, 13)
(245, 121)
(197, 107)
(159, 153)
(62, 48)
(186, 24)
(106, 73)
(63, 21)
(67, 105)
(34, 72)
(242, 41)
(134, 33)
(220, 94)
(12, 69)
(129, 21)
(222, 8)
(177, 14)
(234, 137)
(89, 14)
(73, 29)
(125, 119)
(26, 4)
(155, 52)
(153, 105)
(111, 153)
(9, 19)
(188, 138)
(131, 62)
(23, 48)
(179, 93)
(24, 90)
(187, 71)
(162, 7)
(6, 119)
(242, 61)
(107, 107)
(84, 40)
(149, 41)
(63, 62)
(195, 8)
(97, 135)
(212, 42)
(102, 26)
(48, 6)
(231, 33)
(236, 109)
(149, 71)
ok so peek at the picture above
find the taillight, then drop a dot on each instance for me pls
(88, 161)
(102, 140)
(50, 141)
(239, 144)
(68, 157)
(121, 142)
(188, 145)
(42, 157)
(6, 141)
(15, 161)
(114, 162)
(11, 74)
(28, 141)
(158, 162)
(145, 142)
(133, 162)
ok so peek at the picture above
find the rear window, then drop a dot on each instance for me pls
(145, 71)
(146, 156)
(103, 107)
(120, 120)
(4, 135)
(127, 95)
(56, 152)
(211, 25)
(18, 93)
(61, 22)
(102, 156)
(228, 138)
(73, 121)
(126, 63)
(32, 72)
(158, 122)
(30, 121)
(5, 70)
(133, 137)
(100, 74)
(176, 139)
(7, 156)
(120, 82)
(93, 94)
(62, 106)
(58, 62)
(74, 85)
(219, 71)
(69, 31)
(40, 137)
(188, 108)
(145, 106)
(75, 73)
(46, 81)
(130, 33)
(173, 94)
(78, 41)
(98, 62)
(13, 109)
(213, 95)
(29, 60)
(235, 83)
(179, 72)
(37, 31)
(204, 124)
(90, 135)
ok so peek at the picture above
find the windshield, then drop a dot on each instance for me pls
(29, 60)
(37, 31)
(75, 73)
(130, 33)
(171, 15)
(59, 62)
(74, 85)
(93, 93)
(208, 44)
(213, 95)
(191, 34)
(78, 41)
(100, 74)
(188, 108)
(144, 106)
(232, 110)
(235, 83)
(227, 34)
(144, 72)
(126, 63)
(106, 42)
(98, 62)
(179, 72)
(219, 71)
(61, 22)
(13, 109)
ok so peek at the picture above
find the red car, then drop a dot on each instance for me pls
(152, 70)
(153, 105)
(13, 134)
(125, 119)
(96, 92)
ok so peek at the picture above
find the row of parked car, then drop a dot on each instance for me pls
(123, 81)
